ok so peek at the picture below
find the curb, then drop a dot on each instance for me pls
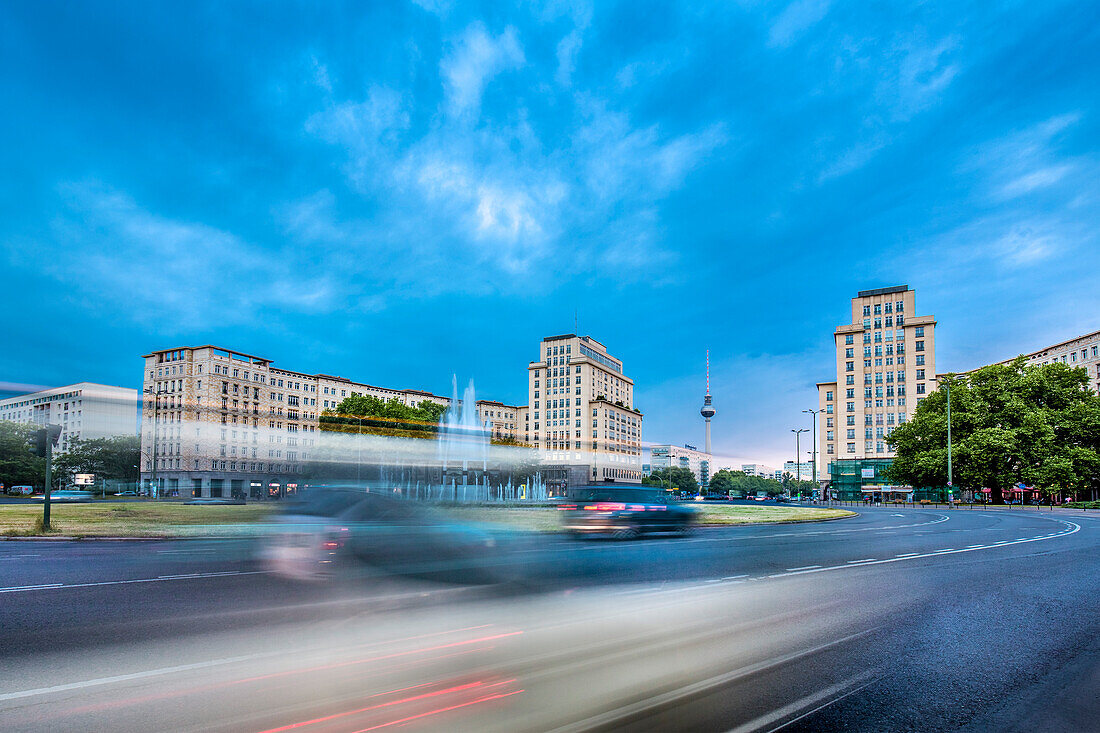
(784, 521)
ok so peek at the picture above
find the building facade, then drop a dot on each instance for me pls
(1082, 352)
(885, 365)
(697, 461)
(759, 469)
(804, 471)
(499, 419)
(217, 422)
(580, 413)
(84, 411)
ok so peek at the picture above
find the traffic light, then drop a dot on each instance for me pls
(39, 438)
(38, 442)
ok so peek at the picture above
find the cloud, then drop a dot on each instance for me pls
(795, 19)
(160, 269)
(1027, 161)
(475, 59)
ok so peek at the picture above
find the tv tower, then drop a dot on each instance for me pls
(707, 411)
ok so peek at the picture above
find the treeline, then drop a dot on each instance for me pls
(723, 482)
(385, 417)
(1010, 424)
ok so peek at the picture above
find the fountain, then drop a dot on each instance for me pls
(463, 447)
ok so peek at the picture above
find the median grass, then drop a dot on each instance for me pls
(163, 519)
(541, 519)
(137, 519)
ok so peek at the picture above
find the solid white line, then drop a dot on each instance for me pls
(805, 567)
(866, 559)
(908, 554)
(735, 577)
(17, 588)
(780, 713)
(1003, 543)
(946, 549)
(161, 579)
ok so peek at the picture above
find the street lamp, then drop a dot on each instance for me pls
(798, 450)
(814, 413)
(156, 401)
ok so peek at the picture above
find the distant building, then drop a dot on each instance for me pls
(697, 461)
(84, 411)
(759, 469)
(804, 471)
(580, 414)
(885, 365)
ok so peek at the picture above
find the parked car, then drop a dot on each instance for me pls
(623, 513)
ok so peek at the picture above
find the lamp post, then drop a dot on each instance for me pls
(156, 400)
(814, 414)
(947, 386)
(798, 450)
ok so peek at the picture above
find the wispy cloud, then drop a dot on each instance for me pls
(796, 19)
(157, 267)
(1028, 160)
(474, 60)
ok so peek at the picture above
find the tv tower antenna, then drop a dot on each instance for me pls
(707, 411)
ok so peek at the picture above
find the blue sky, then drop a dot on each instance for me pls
(396, 192)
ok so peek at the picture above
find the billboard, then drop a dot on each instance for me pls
(867, 472)
(84, 479)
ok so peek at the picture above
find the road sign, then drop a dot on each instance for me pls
(949, 483)
(84, 479)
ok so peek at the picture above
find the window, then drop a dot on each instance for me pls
(852, 434)
(851, 447)
(920, 388)
(920, 360)
(850, 339)
(919, 346)
(829, 396)
(850, 366)
(919, 332)
(851, 394)
(920, 374)
(848, 353)
(850, 379)
(899, 306)
(851, 407)
(866, 310)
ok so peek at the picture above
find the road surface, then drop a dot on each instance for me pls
(913, 619)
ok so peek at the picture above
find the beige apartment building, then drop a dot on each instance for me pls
(499, 419)
(1081, 352)
(217, 422)
(885, 365)
(580, 413)
(675, 456)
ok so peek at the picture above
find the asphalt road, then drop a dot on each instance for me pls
(914, 619)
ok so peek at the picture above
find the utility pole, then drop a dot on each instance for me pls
(814, 414)
(798, 452)
(156, 400)
(44, 441)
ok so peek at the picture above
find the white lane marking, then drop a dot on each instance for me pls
(971, 547)
(946, 549)
(185, 552)
(804, 567)
(827, 695)
(695, 688)
(914, 554)
(9, 557)
(1003, 543)
(897, 515)
(735, 577)
(161, 579)
(866, 559)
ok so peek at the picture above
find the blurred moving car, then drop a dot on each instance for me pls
(326, 533)
(127, 493)
(20, 490)
(67, 496)
(623, 513)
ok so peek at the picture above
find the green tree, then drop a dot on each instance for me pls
(18, 466)
(1010, 423)
(108, 458)
(682, 479)
(721, 483)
